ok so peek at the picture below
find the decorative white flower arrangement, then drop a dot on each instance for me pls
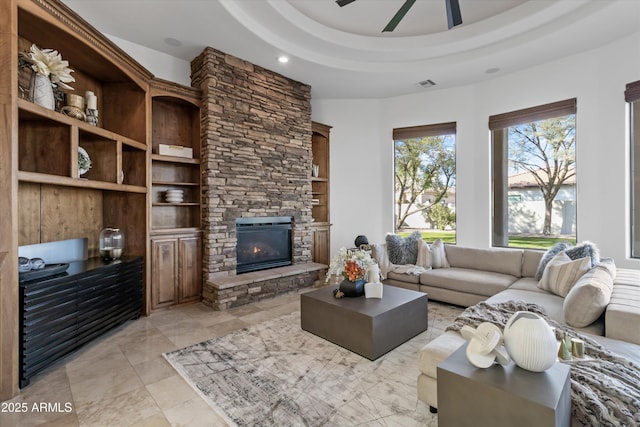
(351, 264)
(49, 63)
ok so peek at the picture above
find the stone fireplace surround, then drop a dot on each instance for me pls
(256, 161)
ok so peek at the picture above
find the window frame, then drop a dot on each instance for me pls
(498, 126)
(632, 97)
(437, 129)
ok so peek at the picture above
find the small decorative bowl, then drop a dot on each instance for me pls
(24, 264)
(37, 263)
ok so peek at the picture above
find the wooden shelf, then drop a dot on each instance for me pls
(174, 159)
(174, 183)
(77, 182)
(320, 193)
(174, 231)
(176, 204)
(176, 244)
(32, 112)
(47, 199)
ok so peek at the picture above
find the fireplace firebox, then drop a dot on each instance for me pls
(263, 243)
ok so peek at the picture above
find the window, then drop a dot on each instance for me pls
(534, 175)
(425, 175)
(514, 198)
(632, 96)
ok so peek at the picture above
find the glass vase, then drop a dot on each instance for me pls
(111, 243)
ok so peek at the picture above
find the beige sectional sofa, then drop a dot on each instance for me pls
(473, 274)
(498, 275)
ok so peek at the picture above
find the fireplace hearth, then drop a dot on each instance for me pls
(263, 243)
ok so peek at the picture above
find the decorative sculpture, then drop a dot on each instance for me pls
(373, 287)
(485, 345)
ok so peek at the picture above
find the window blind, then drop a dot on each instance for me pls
(632, 92)
(426, 130)
(533, 114)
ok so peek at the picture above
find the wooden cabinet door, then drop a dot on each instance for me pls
(321, 245)
(190, 268)
(164, 272)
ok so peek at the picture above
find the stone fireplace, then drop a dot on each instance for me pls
(263, 243)
(256, 156)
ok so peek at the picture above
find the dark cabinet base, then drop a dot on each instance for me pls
(60, 314)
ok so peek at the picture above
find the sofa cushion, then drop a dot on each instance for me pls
(588, 299)
(438, 349)
(581, 250)
(551, 304)
(403, 250)
(561, 273)
(380, 257)
(585, 249)
(497, 260)
(439, 255)
(424, 255)
(402, 277)
(530, 260)
(527, 284)
(548, 256)
(467, 280)
(623, 312)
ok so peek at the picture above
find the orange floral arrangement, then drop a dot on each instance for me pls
(351, 264)
(353, 271)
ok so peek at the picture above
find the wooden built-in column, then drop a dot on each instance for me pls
(8, 195)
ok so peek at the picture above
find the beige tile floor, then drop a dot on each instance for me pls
(121, 379)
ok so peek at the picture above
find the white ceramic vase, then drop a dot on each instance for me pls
(530, 341)
(41, 91)
(372, 274)
(373, 290)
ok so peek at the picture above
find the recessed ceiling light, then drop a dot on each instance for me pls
(172, 42)
(492, 70)
(283, 59)
(427, 83)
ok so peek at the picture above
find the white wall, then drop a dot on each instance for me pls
(362, 149)
(359, 169)
(160, 64)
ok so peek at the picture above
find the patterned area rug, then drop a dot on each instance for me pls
(276, 374)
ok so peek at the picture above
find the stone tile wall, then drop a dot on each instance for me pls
(256, 154)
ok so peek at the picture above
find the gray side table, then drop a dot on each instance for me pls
(501, 395)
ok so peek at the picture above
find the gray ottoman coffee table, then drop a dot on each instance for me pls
(369, 327)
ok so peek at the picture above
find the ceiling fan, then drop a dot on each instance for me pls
(454, 17)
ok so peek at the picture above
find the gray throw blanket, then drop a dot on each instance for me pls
(605, 387)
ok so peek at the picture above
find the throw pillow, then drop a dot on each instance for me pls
(438, 255)
(585, 249)
(424, 255)
(561, 273)
(380, 256)
(589, 298)
(403, 250)
(548, 255)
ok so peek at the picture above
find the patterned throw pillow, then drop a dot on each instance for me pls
(561, 273)
(438, 255)
(403, 250)
(548, 255)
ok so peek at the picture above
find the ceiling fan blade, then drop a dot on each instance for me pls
(399, 15)
(454, 17)
(344, 2)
